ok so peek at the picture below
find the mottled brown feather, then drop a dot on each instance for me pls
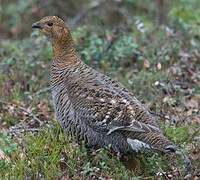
(92, 106)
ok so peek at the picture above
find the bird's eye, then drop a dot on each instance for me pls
(50, 24)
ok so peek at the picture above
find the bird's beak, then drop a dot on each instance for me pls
(36, 25)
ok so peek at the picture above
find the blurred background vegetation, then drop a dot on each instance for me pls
(152, 47)
(17, 15)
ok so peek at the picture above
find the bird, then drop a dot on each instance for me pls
(93, 107)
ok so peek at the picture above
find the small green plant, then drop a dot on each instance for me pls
(6, 144)
(177, 134)
(8, 147)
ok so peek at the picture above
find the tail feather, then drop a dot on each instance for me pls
(154, 141)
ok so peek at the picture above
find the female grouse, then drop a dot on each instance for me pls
(94, 107)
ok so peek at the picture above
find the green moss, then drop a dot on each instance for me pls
(177, 134)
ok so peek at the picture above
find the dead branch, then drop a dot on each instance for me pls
(30, 114)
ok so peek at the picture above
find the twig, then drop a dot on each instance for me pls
(18, 130)
(31, 114)
(110, 44)
(160, 115)
(83, 13)
(194, 133)
(43, 90)
(32, 129)
(24, 110)
(4, 102)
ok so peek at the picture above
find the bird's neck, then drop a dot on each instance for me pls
(64, 51)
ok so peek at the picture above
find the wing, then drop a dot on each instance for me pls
(107, 106)
(142, 113)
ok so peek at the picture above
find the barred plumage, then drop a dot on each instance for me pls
(92, 106)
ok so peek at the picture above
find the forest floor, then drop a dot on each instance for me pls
(162, 69)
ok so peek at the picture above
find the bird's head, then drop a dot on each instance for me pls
(53, 27)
